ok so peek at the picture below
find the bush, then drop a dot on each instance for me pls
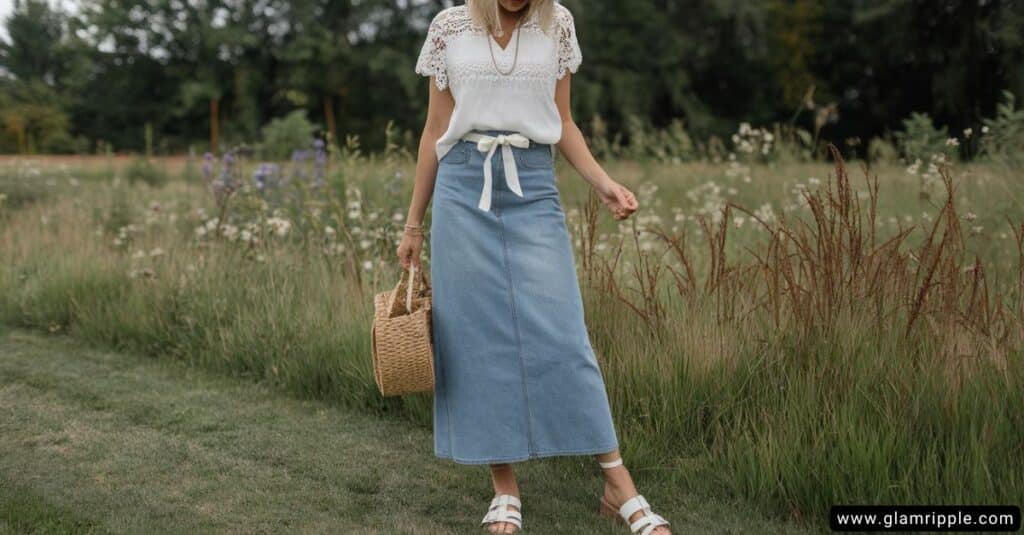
(882, 151)
(283, 136)
(1003, 135)
(142, 170)
(920, 138)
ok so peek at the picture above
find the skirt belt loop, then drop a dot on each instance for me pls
(488, 145)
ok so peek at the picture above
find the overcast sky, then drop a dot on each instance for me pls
(5, 9)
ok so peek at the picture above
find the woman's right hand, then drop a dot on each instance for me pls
(409, 250)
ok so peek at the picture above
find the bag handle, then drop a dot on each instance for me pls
(409, 280)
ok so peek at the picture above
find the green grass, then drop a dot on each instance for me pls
(789, 417)
(98, 442)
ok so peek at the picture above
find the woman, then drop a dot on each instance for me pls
(515, 375)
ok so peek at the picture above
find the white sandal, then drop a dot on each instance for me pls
(499, 511)
(643, 525)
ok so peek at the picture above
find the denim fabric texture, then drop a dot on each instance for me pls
(516, 377)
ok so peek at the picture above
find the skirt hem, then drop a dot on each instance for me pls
(533, 455)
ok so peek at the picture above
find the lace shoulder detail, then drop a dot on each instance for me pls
(446, 24)
(569, 54)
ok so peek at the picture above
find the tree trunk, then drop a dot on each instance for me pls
(214, 124)
(332, 127)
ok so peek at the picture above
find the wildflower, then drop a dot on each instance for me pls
(984, 130)
(765, 213)
(953, 142)
(266, 175)
(139, 254)
(814, 181)
(365, 244)
(279, 226)
(971, 216)
(914, 167)
(968, 132)
(156, 252)
(368, 265)
(977, 229)
(229, 231)
(320, 161)
(207, 165)
(329, 231)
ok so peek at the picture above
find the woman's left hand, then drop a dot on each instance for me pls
(618, 199)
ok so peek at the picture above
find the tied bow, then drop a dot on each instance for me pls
(489, 144)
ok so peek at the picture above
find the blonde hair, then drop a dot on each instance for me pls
(485, 14)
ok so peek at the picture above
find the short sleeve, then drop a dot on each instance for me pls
(569, 54)
(431, 61)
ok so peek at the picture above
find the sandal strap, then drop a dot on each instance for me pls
(611, 464)
(499, 511)
(646, 523)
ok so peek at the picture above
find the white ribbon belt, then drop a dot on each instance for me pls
(488, 145)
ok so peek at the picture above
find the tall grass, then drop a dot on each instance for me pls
(823, 358)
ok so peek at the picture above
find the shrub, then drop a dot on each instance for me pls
(284, 135)
(920, 138)
(882, 151)
(1003, 135)
(142, 170)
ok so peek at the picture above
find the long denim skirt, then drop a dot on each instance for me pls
(516, 377)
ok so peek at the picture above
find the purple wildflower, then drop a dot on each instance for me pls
(320, 161)
(266, 175)
(207, 165)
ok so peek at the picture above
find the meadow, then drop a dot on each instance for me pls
(791, 334)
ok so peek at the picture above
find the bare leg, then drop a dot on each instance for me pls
(504, 479)
(619, 487)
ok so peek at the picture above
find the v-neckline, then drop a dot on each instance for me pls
(511, 37)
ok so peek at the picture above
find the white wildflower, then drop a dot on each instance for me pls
(279, 226)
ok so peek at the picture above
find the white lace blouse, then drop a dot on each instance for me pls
(456, 54)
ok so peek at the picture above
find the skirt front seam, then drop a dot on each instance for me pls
(515, 322)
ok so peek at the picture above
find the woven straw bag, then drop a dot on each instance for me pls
(403, 351)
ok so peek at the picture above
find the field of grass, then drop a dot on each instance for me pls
(99, 442)
(775, 334)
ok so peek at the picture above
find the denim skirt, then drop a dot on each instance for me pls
(516, 377)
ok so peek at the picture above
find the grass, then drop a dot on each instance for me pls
(840, 353)
(100, 442)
